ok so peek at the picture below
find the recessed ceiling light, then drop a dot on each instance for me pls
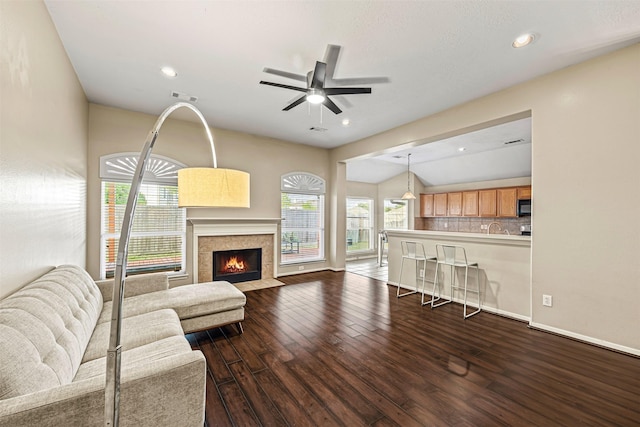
(345, 122)
(169, 72)
(523, 40)
(461, 149)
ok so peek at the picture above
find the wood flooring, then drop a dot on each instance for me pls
(338, 349)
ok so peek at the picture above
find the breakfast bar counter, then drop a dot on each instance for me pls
(504, 262)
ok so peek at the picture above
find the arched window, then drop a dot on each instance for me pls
(158, 235)
(302, 208)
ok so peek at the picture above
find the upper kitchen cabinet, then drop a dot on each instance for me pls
(487, 203)
(507, 202)
(470, 203)
(426, 205)
(454, 204)
(440, 201)
(524, 192)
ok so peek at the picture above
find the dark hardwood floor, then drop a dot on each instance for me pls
(340, 349)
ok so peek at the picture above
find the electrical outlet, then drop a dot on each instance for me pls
(300, 267)
(547, 300)
(446, 225)
(421, 272)
(483, 226)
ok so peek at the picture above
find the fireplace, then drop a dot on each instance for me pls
(237, 265)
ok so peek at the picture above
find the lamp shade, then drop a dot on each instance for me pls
(213, 187)
(408, 196)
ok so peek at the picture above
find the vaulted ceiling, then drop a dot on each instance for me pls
(433, 55)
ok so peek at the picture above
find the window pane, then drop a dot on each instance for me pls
(359, 224)
(157, 239)
(396, 214)
(302, 227)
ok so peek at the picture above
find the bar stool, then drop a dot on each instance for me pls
(455, 257)
(413, 251)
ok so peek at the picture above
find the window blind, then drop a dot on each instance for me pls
(158, 233)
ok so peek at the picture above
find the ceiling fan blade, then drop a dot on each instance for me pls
(331, 106)
(296, 102)
(286, 74)
(299, 89)
(317, 81)
(358, 81)
(331, 59)
(346, 90)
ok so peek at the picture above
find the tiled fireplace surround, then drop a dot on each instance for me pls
(212, 235)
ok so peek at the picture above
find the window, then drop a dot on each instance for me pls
(158, 233)
(396, 214)
(302, 209)
(359, 224)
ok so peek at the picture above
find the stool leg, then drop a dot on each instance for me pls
(435, 283)
(424, 275)
(475, 291)
(398, 294)
(466, 275)
(440, 293)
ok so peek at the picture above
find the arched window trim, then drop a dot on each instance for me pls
(302, 183)
(120, 167)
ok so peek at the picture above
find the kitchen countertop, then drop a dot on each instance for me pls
(453, 235)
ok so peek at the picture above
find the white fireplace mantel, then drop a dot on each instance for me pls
(207, 227)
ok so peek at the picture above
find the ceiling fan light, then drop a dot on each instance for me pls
(315, 97)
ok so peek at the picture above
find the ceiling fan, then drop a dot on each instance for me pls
(315, 91)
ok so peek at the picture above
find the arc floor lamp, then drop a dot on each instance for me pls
(197, 187)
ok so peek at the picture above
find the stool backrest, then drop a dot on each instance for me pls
(449, 254)
(412, 249)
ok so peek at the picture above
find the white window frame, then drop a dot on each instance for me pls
(384, 209)
(119, 168)
(306, 184)
(370, 218)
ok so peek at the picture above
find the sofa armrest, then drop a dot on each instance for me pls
(166, 392)
(135, 285)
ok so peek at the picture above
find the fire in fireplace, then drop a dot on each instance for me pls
(237, 265)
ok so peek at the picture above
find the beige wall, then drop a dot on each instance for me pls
(585, 151)
(43, 132)
(113, 130)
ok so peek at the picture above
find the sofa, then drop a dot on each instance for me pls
(54, 335)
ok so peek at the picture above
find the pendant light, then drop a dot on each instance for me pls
(408, 195)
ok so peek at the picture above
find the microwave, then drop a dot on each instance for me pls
(524, 207)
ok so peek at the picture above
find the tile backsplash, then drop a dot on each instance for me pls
(471, 225)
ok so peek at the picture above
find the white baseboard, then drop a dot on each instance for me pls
(590, 340)
(492, 310)
(310, 270)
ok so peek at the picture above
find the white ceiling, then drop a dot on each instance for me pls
(498, 152)
(436, 54)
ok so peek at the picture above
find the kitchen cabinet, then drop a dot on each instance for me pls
(487, 203)
(426, 205)
(507, 202)
(454, 204)
(470, 203)
(524, 192)
(440, 204)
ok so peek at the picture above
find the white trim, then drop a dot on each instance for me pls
(302, 183)
(120, 167)
(310, 270)
(461, 301)
(587, 339)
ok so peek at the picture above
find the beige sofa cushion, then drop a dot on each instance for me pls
(188, 301)
(138, 356)
(44, 330)
(136, 331)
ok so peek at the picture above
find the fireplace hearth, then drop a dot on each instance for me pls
(239, 265)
